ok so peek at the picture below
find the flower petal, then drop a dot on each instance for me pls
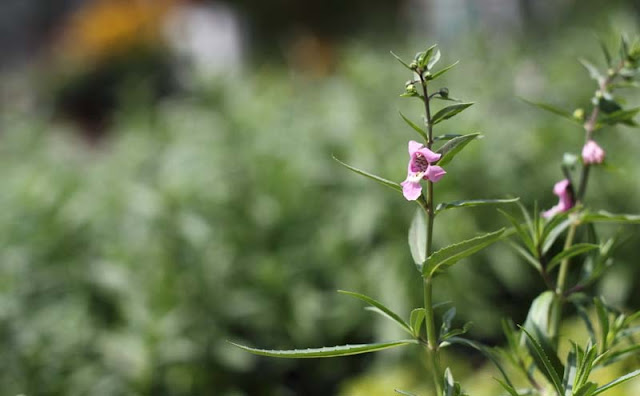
(560, 187)
(592, 153)
(414, 147)
(411, 190)
(429, 155)
(552, 212)
(434, 173)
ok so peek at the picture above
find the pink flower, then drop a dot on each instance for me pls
(592, 153)
(420, 168)
(563, 190)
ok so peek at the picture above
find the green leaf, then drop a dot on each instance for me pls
(449, 384)
(446, 136)
(524, 236)
(593, 71)
(447, 318)
(621, 116)
(488, 353)
(416, 319)
(324, 352)
(473, 202)
(384, 310)
(617, 382)
(405, 393)
(603, 216)
(574, 250)
(605, 51)
(552, 230)
(586, 389)
(400, 60)
(424, 57)
(433, 60)
(418, 238)
(544, 364)
(415, 127)
(570, 373)
(385, 182)
(603, 320)
(621, 354)
(451, 148)
(444, 70)
(448, 112)
(557, 111)
(448, 256)
(508, 388)
(526, 255)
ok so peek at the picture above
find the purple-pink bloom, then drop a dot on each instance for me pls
(592, 153)
(563, 190)
(420, 168)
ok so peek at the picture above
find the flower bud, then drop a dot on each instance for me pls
(413, 65)
(578, 114)
(444, 93)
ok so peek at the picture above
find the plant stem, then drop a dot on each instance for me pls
(432, 341)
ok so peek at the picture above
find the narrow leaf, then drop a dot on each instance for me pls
(607, 217)
(342, 350)
(574, 250)
(488, 353)
(415, 127)
(526, 255)
(603, 320)
(473, 202)
(405, 393)
(448, 112)
(617, 382)
(552, 109)
(444, 70)
(450, 255)
(508, 388)
(401, 61)
(545, 367)
(433, 60)
(605, 51)
(621, 116)
(593, 71)
(553, 230)
(570, 373)
(451, 148)
(388, 183)
(386, 311)
(447, 136)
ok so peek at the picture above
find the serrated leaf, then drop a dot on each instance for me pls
(444, 70)
(325, 352)
(416, 319)
(384, 310)
(449, 111)
(544, 364)
(448, 256)
(385, 182)
(552, 109)
(593, 71)
(617, 382)
(403, 63)
(488, 353)
(472, 202)
(418, 238)
(415, 127)
(451, 148)
(574, 250)
(607, 217)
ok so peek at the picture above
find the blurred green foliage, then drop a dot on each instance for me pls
(221, 215)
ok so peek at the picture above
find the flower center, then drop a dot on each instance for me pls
(419, 163)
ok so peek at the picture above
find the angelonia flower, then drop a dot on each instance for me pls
(563, 190)
(592, 153)
(420, 168)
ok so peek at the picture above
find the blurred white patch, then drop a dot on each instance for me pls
(207, 39)
(528, 82)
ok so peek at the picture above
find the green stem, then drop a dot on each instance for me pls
(432, 339)
(556, 309)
